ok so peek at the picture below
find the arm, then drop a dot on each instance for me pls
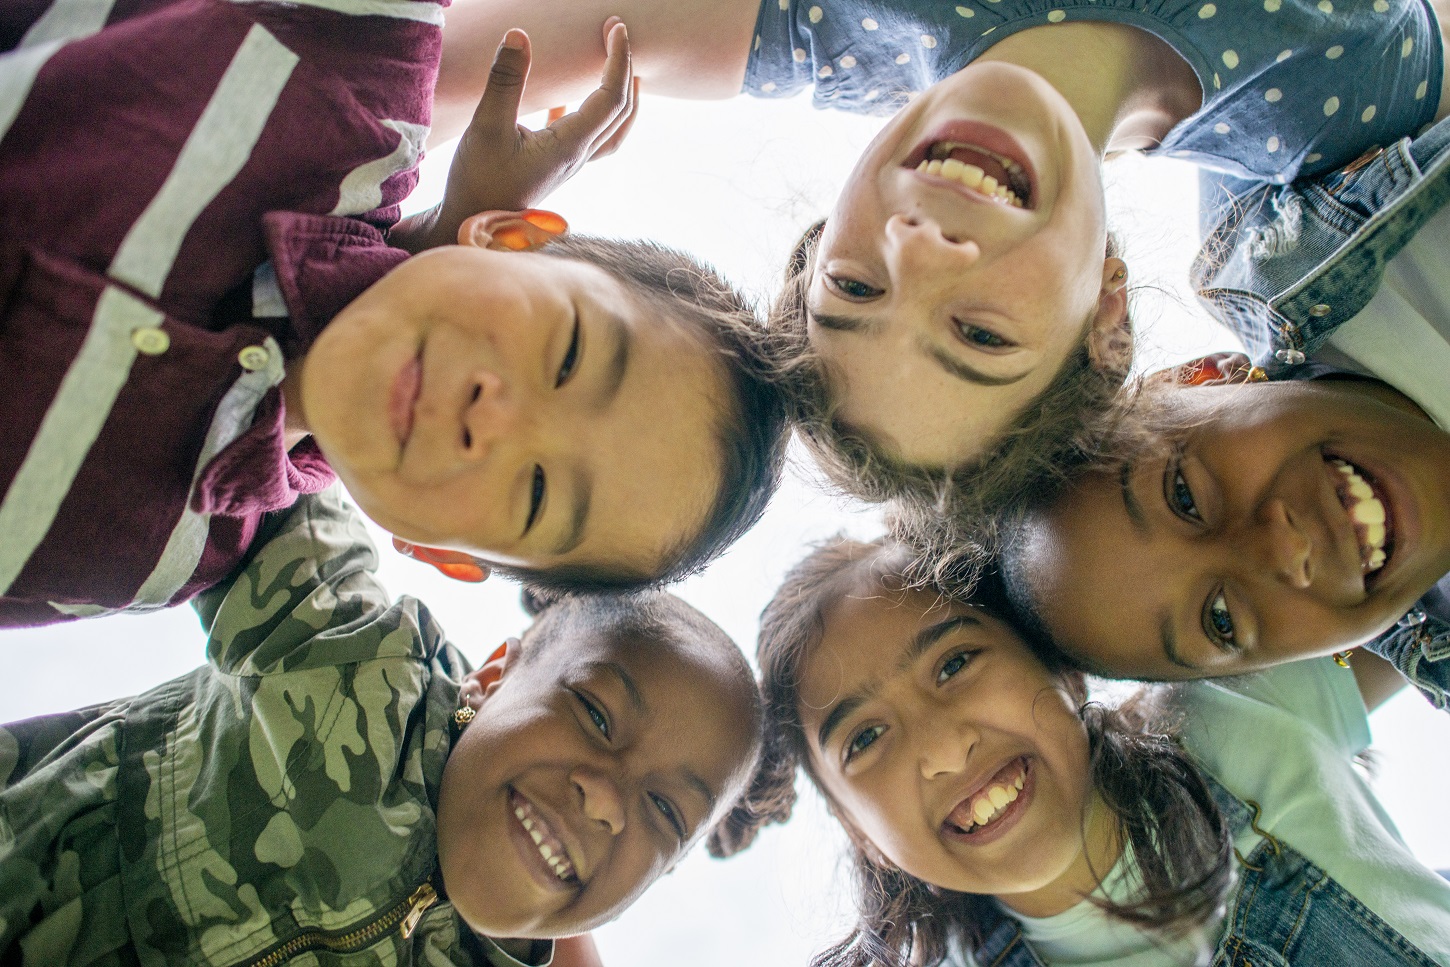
(682, 48)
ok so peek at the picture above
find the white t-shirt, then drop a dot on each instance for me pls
(1402, 336)
(1285, 738)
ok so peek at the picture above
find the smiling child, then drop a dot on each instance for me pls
(213, 319)
(998, 817)
(1249, 523)
(336, 782)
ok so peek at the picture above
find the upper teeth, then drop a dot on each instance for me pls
(552, 852)
(1368, 514)
(940, 163)
(988, 804)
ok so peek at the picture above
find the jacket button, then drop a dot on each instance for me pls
(253, 358)
(1292, 357)
(150, 341)
(1319, 311)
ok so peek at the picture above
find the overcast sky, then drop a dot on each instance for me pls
(736, 182)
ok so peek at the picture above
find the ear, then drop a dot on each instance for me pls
(480, 684)
(1212, 369)
(454, 564)
(1110, 334)
(512, 231)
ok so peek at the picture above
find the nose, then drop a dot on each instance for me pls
(943, 747)
(1284, 546)
(915, 241)
(601, 799)
(491, 412)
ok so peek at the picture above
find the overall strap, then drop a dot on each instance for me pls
(1005, 946)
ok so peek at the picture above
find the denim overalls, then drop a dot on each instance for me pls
(1284, 265)
(1282, 912)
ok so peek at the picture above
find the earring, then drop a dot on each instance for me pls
(464, 714)
(1341, 658)
(1120, 273)
(1257, 375)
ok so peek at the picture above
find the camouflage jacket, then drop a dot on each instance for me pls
(275, 806)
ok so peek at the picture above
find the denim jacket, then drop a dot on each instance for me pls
(1282, 912)
(1284, 265)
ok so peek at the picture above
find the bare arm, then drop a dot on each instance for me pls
(681, 48)
(1378, 680)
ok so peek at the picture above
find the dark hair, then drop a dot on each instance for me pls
(1166, 813)
(752, 432)
(640, 616)
(1054, 432)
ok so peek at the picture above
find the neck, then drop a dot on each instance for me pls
(1101, 849)
(1128, 87)
(294, 419)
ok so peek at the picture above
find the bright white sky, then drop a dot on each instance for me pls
(736, 182)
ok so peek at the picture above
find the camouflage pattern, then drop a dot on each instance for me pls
(275, 805)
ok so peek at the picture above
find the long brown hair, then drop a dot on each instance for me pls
(1165, 810)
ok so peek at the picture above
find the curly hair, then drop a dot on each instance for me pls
(1165, 811)
(752, 432)
(1052, 434)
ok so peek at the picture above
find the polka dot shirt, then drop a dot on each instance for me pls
(1291, 87)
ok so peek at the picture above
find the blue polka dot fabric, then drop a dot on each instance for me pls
(1291, 87)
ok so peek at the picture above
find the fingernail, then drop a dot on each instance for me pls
(514, 39)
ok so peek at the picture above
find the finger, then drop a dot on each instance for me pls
(606, 103)
(610, 141)
(498, 110)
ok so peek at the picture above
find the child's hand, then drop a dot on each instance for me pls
(502, 165)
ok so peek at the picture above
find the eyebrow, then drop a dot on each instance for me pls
(953, 366)
(631, 687)
(582, 493)
(1130, 502)
(693, 780)
(924, 640)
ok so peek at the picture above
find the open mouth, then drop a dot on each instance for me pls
(992, 807)
(993, 176)
(550, 848)
(1369, 511)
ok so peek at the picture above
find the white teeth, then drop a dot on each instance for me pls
(1368, 514)
(1021, 778)
(537, 836)
(1368, 511)
(952, 168)
(519, 814)
(989, 185)
(973, 177)
(982, 811)
(545, 852)
(999, 797)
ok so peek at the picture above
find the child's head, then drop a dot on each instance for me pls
(606, 743)
(929, 322)
(594, 414)
(960, 764)
(1240, 525)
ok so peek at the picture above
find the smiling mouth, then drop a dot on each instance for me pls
(1366, 505)
(988, 805)
(550, 848)
(990, 174)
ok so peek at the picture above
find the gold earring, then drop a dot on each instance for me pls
(1257, 374)
(464, 714)
(1120, 273)
(1341, 658)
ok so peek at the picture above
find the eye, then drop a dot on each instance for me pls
(863, 740)
(974, 335)
(671, 814)
(954, 663)
(852, 288)
(596, 715)
(536, 498)
(571, 357)
(1218, 624)
(1178, 494)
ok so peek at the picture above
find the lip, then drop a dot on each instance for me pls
(981, 135)
(529, 857)
(1401, 516)
(403, 397)
(1009, 818)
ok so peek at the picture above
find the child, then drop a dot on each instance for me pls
(336, 781)
(1245, 523)
(997, 818)
(956, 327)
(210, 320)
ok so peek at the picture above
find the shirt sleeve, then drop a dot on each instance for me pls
(1317, 692)
(308, 597)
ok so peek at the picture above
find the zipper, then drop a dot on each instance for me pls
(405, 915)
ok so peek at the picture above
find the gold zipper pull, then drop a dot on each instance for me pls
(423, 898)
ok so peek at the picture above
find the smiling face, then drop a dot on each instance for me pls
(519, 406)
(939, 309)
(1295, 519)
(944, 743)
(618, 760)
